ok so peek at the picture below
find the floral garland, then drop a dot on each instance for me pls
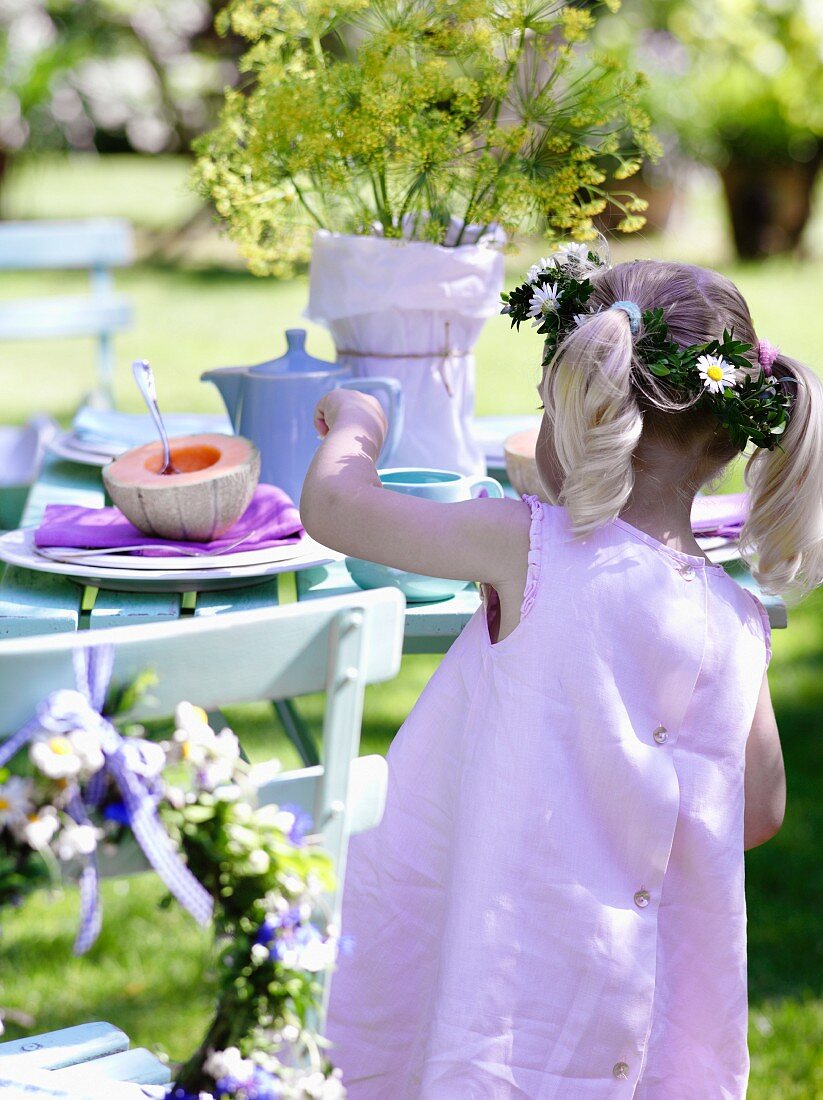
(263, 873)
(749, 401)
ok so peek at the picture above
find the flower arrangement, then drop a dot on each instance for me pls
(747, 399)
(82, 790)
(439, 121)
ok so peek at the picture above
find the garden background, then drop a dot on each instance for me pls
(84, 143)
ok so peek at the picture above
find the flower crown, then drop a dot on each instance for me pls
(749, 401)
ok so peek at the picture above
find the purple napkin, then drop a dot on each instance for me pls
(723, 514)
(271, 519)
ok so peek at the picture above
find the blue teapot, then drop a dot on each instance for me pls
(272, 405)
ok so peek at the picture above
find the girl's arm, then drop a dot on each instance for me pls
(345, 507)
(765, 779)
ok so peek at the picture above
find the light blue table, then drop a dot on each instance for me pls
(34, 603)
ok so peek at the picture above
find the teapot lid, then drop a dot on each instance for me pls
(296, 360)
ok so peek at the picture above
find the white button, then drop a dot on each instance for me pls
(661, 735)
(621, 1070)
(641, 899)
(686, 572)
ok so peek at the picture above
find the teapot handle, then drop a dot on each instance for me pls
(393, 392)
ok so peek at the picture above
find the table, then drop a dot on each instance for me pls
(35, 603)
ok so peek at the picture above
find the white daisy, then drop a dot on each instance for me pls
(576, 255)
(716, 373)
(544, 264)
(77, 840)
(15, 800)
(40, 828)
(543, 302)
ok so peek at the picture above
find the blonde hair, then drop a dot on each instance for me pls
(600, 400)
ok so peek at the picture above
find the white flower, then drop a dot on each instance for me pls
(576, 255)
(76, 840)
(259, 953)
(716, 373)
(228, 792)
(319, 1087)
(40, 828)
(544, 301)
(283, 820)
(66, 756)
(216, 753)
(15, 800)
(86, 744)
(228, 1063)
(317, 955)
(55, 757)
(259, 861)
(146, 758)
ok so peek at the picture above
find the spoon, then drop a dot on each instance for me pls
(144, 377)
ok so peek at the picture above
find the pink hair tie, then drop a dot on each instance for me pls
(766, 355)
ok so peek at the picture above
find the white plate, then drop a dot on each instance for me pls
(17, 548)
(166, 562)
(66, 445)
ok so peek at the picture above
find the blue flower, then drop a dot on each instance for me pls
(303, 822)
(116, 811)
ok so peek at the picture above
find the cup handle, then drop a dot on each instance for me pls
(394, 397)
(485, 487)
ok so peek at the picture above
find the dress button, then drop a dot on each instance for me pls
(661, 735)
(621, 1070)
(641, 899)
(686, 572)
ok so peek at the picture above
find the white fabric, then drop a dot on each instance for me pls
(502, 950)
(405, 305)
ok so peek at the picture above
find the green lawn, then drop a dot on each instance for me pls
(146, 972)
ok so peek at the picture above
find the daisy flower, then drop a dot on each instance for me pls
(544, 264)
(77, 753)
(15, 800)
(716, 374)
(39, 828)
(76, 840)
(572, 255)
(544, 301)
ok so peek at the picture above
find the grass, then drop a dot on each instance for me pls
(147, 971)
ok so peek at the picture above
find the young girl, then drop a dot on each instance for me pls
(553, 903)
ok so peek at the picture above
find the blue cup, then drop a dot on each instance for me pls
(443, 486)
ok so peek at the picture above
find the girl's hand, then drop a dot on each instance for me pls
(353, 407)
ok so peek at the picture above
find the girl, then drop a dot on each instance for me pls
(553, 904)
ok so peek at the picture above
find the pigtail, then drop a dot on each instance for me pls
(782, 541)
(595, 418)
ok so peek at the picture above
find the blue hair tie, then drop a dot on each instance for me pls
(632, 309)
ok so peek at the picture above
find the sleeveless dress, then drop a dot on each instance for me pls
(553, 907)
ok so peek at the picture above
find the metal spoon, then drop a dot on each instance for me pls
(144, 377)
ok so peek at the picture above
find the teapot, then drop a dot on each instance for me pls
(272, 405)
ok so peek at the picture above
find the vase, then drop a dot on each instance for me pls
(769, 204)
(413, 311)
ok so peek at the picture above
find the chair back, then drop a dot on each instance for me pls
(97, 244)
(336, 645)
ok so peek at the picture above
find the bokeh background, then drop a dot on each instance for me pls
(99, 102)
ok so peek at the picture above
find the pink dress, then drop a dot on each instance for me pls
(552, 907)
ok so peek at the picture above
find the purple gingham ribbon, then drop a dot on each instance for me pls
(66, 710)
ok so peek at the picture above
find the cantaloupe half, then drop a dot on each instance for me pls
(521, 466)
(217, 478)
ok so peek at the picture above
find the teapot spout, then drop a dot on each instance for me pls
(229, 380)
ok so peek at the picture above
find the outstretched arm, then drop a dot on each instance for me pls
(345, 507)
(765, 780)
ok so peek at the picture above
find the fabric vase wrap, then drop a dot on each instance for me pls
(414, 311)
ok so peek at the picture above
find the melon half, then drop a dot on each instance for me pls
(216, 479)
